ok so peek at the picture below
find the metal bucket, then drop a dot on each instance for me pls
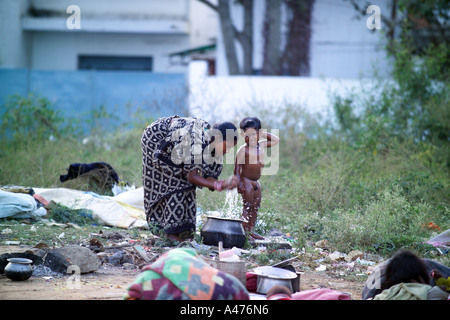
(271, 276)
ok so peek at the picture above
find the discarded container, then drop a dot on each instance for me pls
(271, 276)
(229, 231)
(237, 269)
(229, 255)
(18, 269)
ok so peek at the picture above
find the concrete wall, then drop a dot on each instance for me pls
(77, 93)
(228, 98)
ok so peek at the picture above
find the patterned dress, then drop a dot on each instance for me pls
(171, 149)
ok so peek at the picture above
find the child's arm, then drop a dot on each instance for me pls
(271, 139)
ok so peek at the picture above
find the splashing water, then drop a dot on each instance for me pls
(232, 208)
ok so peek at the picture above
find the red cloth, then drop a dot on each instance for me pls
(41, 199)
(279, 296)
(320, 294)
(251, 282)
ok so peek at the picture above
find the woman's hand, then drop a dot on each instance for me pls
(195, 178)
(230, 183)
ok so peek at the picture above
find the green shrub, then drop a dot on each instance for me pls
(388, 222)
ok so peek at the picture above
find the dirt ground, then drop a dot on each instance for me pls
(111, 283)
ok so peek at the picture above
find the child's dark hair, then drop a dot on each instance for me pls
(405, 267)
(224, 127)
(250, 122)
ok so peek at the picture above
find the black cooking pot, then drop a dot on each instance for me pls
(229, 231)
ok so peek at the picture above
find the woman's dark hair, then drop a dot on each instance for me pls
(227, 130)
(250, 122)
(405, 267)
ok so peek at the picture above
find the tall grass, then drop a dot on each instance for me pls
(325, 188)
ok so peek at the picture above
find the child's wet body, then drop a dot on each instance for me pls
(248, 168)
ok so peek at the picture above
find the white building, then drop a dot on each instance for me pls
(123, 35)
(144, 35)
(342, 46)
(344, 55)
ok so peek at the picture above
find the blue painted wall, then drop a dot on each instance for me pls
(76, 93)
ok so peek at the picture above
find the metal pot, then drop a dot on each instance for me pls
(18, 269)
(229, 231)
(271, 276)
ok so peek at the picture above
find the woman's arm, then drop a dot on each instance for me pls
(195, 178)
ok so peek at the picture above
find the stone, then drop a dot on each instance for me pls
(335, 256)
(60, 259)
(353, 255)
(116, 258)
(321, 243)
(128, 266)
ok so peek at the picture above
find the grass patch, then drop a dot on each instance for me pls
(326, 187)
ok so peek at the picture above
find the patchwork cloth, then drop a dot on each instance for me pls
(171, 149)
(180, 274)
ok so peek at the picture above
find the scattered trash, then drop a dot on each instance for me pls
(7, 231)
(229, 255)
(441, 242)
(121, 187)
(12, 243)
(142, 253)
(353, 255)
(125, 210)
(365, 262)
(19, 205)
(322, 267)
(431, 226)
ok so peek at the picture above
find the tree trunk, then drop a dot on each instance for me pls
(245, 37)
(296, 54)
(228, 35)
(272, 38)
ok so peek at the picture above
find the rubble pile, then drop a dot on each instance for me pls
(319, 257)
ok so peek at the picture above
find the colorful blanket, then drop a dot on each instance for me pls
(180, 274)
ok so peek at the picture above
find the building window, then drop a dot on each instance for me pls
(125, 63)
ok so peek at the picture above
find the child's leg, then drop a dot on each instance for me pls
(247, 193)
(254, 209)
(251, 196)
